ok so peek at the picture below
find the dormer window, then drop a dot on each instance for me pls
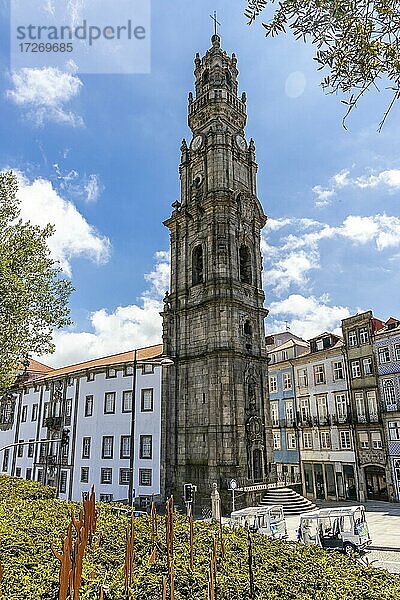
(111, 372)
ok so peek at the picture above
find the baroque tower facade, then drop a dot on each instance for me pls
(215, 398)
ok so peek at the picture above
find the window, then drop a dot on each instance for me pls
(125, 449)
(24, 414)
(367, 366)
(389, 393)
(360, 405)
(84, 474)
(147, 369)
(124, 476)
(90, 376)
(364, 440)
(384, 355)
(394, 431)
(31, 449)
(337, 369)
(68, 411)
(276, 436)
(28, 474)
(20, 451)
(291, 442)
(322, 408)
(18, 472)
(70, 381)
(307, 440)
(197, 265)
(127, 401)
(376, 439)
(106, 497)
(146, 446)
(372, 405)
(302, 377)
(304, 409)
(319, 374)
(352, 338)
(63, 482)
(285, 355)
(289, 413)
(109, 403)
(320, 345)
(345, 440)
(43, 451)
(275, 414)
(341, 407)
(86, 443)
(273, 383)
(245, 265)
(145, 477)
(34, 412)
(247, 329)
(364, 337)
(325, 440)
(6, 457)
(287, 381)
(355, 369)
(128, 370)
(106, 476)
(111, 372)
(45, 411)
(107, 446)
(147, 400)
(397, 351)
(40, 475)
(88, 406)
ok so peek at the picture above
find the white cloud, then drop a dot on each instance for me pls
(123, 329)
(74, 236)
(93, 188)
(307, 316)
(384, 230)
(389, 179)
(290, 270)
(112, 332)
(43, 94)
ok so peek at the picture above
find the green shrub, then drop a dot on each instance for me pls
(31, 519)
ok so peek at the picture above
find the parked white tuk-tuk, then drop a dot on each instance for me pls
(344, 529)
(268, 520)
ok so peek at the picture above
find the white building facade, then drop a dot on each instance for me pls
(74, 427)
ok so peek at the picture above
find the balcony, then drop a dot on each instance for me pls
(53, 423)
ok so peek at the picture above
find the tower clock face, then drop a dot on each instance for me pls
(197, 142)
(241, 142)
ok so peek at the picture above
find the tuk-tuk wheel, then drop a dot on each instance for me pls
(349, 549)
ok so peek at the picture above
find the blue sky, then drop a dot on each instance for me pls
(98, 155)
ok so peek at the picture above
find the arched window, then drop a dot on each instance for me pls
(388, 392)
(245, 265)
(197, 265)
(228, 78)
(247, 328)
(206, 77)
(257, 465)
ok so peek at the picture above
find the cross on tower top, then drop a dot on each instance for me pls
(216, 23)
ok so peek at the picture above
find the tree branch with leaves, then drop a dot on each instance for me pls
(33, 294)
(357, 41)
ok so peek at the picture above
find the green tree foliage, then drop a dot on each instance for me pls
(358, 41)
(33, 296)
(31, 520)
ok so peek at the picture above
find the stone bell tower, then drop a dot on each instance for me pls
(215, 403)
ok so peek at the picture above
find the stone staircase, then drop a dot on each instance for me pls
(293, 503)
